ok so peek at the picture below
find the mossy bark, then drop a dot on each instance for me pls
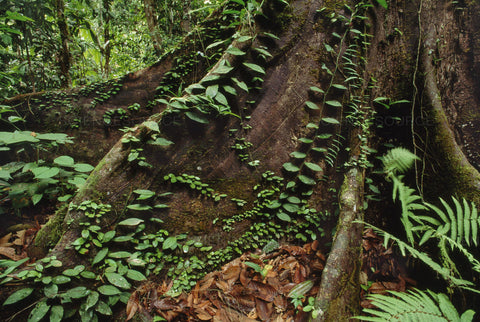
(339, 293)
(463, 177)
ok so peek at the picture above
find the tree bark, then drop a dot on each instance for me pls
(64, 54)
(152, 24)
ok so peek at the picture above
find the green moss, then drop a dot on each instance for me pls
(53, 230)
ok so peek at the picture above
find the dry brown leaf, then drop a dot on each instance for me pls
(205, 284)
(223, 286)
(229, 315)
(264, 309)
(5, 240)
(165, 304)
(10, 253)
(280, 302)
(244, 279)
(202, 314)
(231, 274)
(263, 291)
(131, 309)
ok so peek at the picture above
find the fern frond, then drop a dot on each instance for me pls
(414, 305)
(398, 160)
(436, 267)
(460, 224)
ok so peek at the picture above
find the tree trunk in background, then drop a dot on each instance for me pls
(64, 55)
(106, 49)
(152, 24)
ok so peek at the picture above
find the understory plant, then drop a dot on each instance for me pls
(453, 227)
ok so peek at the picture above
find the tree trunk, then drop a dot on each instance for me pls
(64, 55)
(106, 48)
(152, 24)
(280, 150)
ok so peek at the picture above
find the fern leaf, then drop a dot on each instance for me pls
(415, 305)
(467, 316)
(474, 224)
(439, 212)
(466, 221)
(398, 160)
(428, 234)
(460, 216)
(447, 307)
(453, 220)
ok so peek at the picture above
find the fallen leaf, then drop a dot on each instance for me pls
(264, 309)
(10, 253)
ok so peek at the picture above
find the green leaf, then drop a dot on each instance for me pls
(255, 67)
(334, 103)
(313, 166)
(298, 155)
(39, 311)
(120, 254)
(61, 279)
(144, 194)
(240, 84)
(383, 3)
(118, 280)
(211, 91)
(215, 44)
(92, 299)
(312, 126)
(271, 35)
(78, 292)
(291, 208)
(50, 291)
(100, 256)
(36, 198)
(88, 275)
(305, 140)
(152, 125)
(283, 216)
(197, 117)
(223, 70)
(290, 167)
(64, 161)
(74, 271)
(161, 142)
(56, 313)
(135, 275)
(330, 120)
(18, 296)
(131, 222)
(312, 105)
(83, 167)
(316, 89)
(235, 51)
(263, 52)
(108, 290)
(293, 199)
(300, 289)
(244, 38)
(339, 86)
(139, 207)
(45, 172)
(170, 243)
(103, 308)
(306, 180)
